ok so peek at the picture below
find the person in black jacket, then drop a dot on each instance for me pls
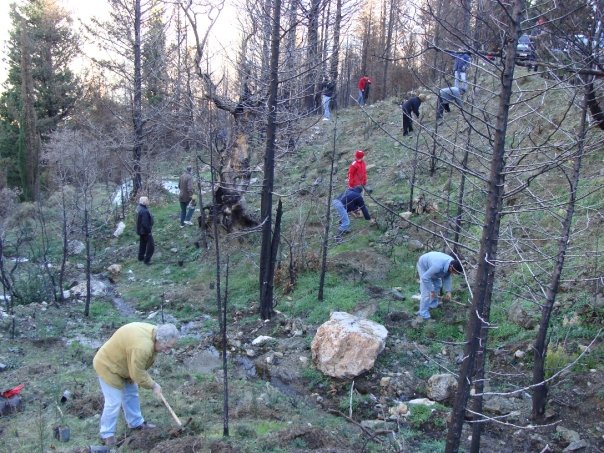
(411, 106)
(144, 226)
(328, 88)
(348, 201)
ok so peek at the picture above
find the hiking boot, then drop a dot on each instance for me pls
(145, 425)
(419, 320)
(109, 441)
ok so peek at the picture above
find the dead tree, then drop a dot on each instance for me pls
(472, 367)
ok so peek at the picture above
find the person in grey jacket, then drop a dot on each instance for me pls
(445, 97)
(435, 270)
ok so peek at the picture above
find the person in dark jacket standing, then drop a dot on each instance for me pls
(328, 89)
(144, 226)
(348, 201)
(411, 106)
(185, 188)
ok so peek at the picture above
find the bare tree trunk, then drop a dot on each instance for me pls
(137, 107)
(392, 17)
(266, 206)
(312, 55)
(541, 343)
(225, 368)
(88, 258)
(472, 368)
(64, 248)
(335, 50)
(327, 216)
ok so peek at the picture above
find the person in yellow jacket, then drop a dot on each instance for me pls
(121, 365)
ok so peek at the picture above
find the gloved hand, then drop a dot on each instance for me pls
(447, 297)
(157, 390)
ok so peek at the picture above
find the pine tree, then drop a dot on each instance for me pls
(44, 29)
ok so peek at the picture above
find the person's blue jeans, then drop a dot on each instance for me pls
(460, 80)
(326, 111)
(344, 220)
(426, 302)
(127, 399)
(189, 215)
(361, 99)
(183, 211)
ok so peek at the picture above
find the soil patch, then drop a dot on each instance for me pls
(86, 406)
(311, 438)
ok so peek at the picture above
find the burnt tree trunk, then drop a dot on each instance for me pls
(266, 206)
(472, 367)
(540, 348)
(137, 107)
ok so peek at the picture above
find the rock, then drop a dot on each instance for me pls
(441, 387)
(400, 410)
(66, 294)
(347, 346)
(577, 445)
(568, 435)
(422, 401)
(250, 353)
(519, 315)
(3, 367)
(303, 360)
(519, 354)
(75, 247)
(261, 340)
(114, 270)
(97, 288)
(376, 425)
(500, 406)
(385, 382)
(405, 215)
(119, 229)
(414, 245)
(416, 297)
(174, 250)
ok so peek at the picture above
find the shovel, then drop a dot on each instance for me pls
(174, 416)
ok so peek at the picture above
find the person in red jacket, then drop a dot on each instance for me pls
(357, 172)
(364, 85)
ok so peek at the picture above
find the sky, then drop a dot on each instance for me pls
(85, 9)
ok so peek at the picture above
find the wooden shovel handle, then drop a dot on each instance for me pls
(176, 419)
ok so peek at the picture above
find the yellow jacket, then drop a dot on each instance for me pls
(127, 355)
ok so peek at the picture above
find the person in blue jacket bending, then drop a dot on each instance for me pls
(435, 270)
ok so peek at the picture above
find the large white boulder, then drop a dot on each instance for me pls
(347, 346)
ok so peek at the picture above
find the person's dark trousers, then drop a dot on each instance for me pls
(183, 211)
(407, 123)
(146, 247)
(440, 108)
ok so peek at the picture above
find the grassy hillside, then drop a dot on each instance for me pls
(278, 401)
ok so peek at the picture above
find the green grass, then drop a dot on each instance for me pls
(337, 297)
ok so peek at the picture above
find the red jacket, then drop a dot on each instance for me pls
(363, 82)
(357, 174)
